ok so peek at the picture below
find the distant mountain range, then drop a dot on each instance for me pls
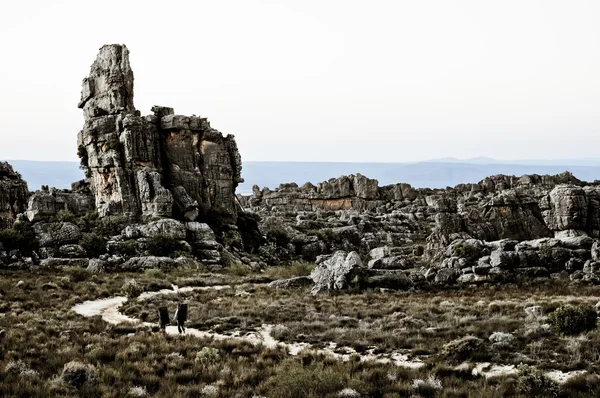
(437, 173)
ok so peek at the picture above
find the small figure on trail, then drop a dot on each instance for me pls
(163, 318)
(181, 316)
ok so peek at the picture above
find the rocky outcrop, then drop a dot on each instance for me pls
(48, 202)
(13, 195)
(162, 165)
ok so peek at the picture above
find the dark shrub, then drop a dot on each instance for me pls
(216, 218)
(571, 320)
(247, 224)
(531, 382)
(467, 251)
(20, 237)
(278, 235)
(93, 244)
(164, 246)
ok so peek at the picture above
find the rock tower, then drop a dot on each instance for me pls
(161, 165)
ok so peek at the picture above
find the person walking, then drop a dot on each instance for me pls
(163, 318)
(181, 317)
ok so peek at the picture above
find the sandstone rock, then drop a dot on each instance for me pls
(162, 165)
(447, 276)
(568, 208)
(298, 281)
(165, 227)
(56, 234)
(72, 251)
(141, 263)
(97, 266)
(64, 262)
(337, 272)
(13, 195)
(47, 203)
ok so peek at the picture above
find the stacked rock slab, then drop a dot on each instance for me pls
(13, 195)
(161, 165)
(418, 224)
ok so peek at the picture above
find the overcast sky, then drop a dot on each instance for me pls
(322, 80)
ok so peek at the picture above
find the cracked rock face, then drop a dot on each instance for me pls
(161, 165)
(13, 195)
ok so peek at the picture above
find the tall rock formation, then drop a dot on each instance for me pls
(13, 195)
(161, 165)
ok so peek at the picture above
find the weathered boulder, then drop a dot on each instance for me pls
(56, 234)
(57, 262)
(13, 195)
(298, 281)
(337, 272)
(447, 276)
(568, 208)
(141, 263)
(164, 227)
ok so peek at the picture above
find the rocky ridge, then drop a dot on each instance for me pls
(500, 229)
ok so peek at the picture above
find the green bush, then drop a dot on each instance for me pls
(64, 216)
(327, 235)
(467, 251)
(20, 237)
(571, 320)
(278, 235)
(165, 246)
(93, 244)
(132, 289)
(111, 225)
(77, 274)
(128, 248)
(532, 383)
(208, 356)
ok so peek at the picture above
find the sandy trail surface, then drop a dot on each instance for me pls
(109, 310)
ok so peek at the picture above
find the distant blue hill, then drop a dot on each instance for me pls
(430, 174)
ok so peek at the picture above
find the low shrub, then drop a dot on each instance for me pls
(165, 246)
(467, 251)
(572, 320)
(77, 274)
(20, 237)
(463, 349)
(64, 216)
(531, 382)
(77, 374)
(278, 235)
(428, 387)
(208, 356)
(93, 244)
(132, 289)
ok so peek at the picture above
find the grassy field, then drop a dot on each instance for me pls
(48, 350)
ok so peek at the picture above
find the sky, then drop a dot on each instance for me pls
(319, 80)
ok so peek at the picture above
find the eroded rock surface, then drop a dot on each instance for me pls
(13, 195)
(161, 165)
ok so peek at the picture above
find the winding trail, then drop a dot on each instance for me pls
(109, 310)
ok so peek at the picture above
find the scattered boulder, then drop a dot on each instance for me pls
(337, 272)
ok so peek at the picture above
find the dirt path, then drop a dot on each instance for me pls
(109, 310)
